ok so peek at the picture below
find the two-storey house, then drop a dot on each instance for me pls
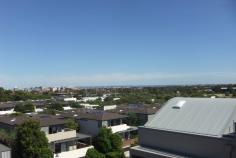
(63, 142)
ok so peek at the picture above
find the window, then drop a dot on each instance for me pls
(6, 154)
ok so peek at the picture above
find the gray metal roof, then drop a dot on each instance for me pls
(158, 152)
(202, 116)
(4, 148)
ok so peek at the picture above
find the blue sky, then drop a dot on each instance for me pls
(118, 42)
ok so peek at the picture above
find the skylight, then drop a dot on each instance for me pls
(179, 104)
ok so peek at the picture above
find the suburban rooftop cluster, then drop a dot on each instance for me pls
(72, 123)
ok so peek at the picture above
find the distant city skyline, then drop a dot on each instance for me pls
(125, 42)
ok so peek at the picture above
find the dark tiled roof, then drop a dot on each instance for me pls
(45, 120)
(141, 110)
(144, 109)
(101, 116)
(37, 103)
(7, 105)
(40, 103)
(92, 115)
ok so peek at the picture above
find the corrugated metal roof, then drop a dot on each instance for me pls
(158, 152)
(203, 116)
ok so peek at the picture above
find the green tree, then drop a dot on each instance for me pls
(8, 95)
(115, 154)
(31, 142)
(71, 124)
(19, 107)
(97, 102)
(7, 137)
(24, 108)
(75, 105)
(116, 142)
(109, 144)
(133, 119)
(56, 106)
(29, 107)
(49, 111)
(93, 153)
(103, 144)
(19, 95)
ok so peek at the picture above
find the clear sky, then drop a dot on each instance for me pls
(117, 42)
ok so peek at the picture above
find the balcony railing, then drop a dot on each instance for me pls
(119, 128)
(65, 134)
(78, 153)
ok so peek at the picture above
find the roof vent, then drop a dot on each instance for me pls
(179, 104)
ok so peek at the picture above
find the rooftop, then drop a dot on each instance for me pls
(45, 120)
(92, 114)
(6, 105)
(202, 116)
(12, 104)
(138, 109)
(4, 148)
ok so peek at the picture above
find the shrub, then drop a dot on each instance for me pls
(115, 154)
(93, 153)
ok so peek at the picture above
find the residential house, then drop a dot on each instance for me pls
(89, 106)
(87, 99)
(90, 122)
(63, 142)
(7, 108)
(143, 112)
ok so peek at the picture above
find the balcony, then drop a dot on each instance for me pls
(66, 134)
(78, 153)
(119, 128)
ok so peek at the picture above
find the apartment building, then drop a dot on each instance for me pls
(190, 128)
